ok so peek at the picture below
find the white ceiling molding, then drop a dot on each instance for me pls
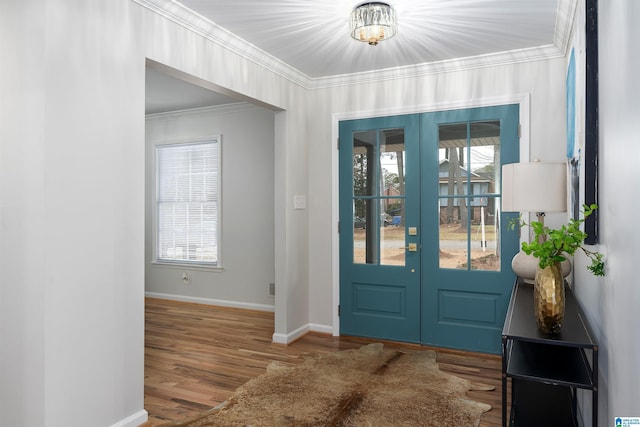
(564, 24)
(192, 21)
(431, 68)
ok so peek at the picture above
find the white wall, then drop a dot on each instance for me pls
(612, 302)
(22, 214)
(247, 236)
(72, 214)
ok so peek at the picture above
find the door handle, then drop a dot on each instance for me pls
(412, 247)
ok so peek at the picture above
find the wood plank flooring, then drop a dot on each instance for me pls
(197, 355)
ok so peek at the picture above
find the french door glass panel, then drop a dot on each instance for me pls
(379, 197)
(469, 174)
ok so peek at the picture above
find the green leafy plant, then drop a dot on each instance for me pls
(552, 245)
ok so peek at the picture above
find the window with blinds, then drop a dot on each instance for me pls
(188, 195)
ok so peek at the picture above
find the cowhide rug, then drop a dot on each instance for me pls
(369, 386)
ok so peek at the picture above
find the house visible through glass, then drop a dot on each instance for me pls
(468, 190)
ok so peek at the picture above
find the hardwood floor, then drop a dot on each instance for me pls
(197, 355)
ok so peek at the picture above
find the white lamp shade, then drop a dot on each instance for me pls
(534, 187)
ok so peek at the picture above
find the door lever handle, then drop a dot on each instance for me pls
(412, 247)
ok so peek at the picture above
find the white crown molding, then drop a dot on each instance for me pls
(448, 66)
(200, 25)
(565, 18)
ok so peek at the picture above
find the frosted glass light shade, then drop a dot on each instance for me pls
(534, 187)
(372, 22)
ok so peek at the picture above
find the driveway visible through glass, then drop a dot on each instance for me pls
(453, 247)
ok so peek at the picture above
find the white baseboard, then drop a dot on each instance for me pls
(324, 329)
(280, 339)
(300, 332)
(291, 336)
(211, 301)
(133, 420)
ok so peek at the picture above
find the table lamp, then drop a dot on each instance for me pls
(534, 187)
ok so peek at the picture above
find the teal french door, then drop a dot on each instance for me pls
(379, 257)
(424, 250)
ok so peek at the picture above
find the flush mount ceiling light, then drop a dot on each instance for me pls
(372, 22)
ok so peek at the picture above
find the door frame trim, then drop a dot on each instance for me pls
(523, 100)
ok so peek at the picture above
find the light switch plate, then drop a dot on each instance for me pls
(299, 202)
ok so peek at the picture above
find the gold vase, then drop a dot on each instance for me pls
(548, 299)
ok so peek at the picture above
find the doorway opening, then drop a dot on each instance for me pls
(181, 110)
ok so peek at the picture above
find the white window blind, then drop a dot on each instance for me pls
(188, 202)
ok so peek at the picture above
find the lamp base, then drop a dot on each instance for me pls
(525, 267)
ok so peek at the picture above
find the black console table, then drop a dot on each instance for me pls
(546, 370)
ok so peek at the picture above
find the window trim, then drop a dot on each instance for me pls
(217, 140)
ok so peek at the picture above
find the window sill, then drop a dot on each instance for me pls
(187, 266)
